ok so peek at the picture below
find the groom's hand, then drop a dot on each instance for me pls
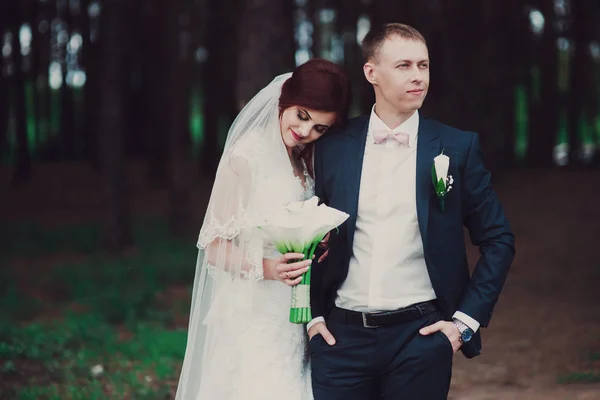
(324, 244)
(448, 329)
(321, 329)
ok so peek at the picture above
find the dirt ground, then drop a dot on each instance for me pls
(546, 324)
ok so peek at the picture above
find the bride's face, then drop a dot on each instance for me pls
(301, 125)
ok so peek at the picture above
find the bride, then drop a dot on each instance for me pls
(241, 345)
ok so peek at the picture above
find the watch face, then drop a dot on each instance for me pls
(466, 335)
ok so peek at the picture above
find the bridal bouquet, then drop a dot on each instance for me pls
(298, 228)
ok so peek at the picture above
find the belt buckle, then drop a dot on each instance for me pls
(365, 323)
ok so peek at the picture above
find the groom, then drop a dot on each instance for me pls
(394, 300)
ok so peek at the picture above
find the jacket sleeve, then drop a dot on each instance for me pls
(488, 228)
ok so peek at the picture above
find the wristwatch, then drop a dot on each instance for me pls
(466, 333)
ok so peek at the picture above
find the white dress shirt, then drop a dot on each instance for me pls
(387, 269)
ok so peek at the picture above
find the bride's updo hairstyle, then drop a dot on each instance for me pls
(319, 85)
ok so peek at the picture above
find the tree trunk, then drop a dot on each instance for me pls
(494, 108)
(388, 11)
(265, 26)
(32, 12)
(92, 90)
(4, 86)
(180, 67)
(544, 115)
(67, 120)
(313, 9)
(583, 91)
(594, 15)
(521, 69)
(155, 54)
(135, 88)
(4, 108)
(112, 123)
(41, 51)
(23, 158)
(220, 76)
(347, 21)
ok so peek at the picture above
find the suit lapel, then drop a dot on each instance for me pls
(353, 170)
(428, 147)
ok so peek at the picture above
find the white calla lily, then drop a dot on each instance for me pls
(299, 227)
(442, 164)
(442, 182)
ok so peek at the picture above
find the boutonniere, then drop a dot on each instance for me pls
(442, 182)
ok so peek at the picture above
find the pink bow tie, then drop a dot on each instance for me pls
(381, 135)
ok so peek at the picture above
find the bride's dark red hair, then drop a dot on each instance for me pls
(319, 85)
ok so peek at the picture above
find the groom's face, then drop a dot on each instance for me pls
(400, 74)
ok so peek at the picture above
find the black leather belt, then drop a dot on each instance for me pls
(384, 318)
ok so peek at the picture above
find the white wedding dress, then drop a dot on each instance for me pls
(250, 350)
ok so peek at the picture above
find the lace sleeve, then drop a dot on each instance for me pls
(230, 241)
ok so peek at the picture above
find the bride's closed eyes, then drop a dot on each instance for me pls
(302, 116)
(305, 116)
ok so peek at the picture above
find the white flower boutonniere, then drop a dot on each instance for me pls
(442, 182)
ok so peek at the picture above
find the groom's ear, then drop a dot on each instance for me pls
(369, 71)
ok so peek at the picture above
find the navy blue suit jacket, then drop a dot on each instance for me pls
(471, 203)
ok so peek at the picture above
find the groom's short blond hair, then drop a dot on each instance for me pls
(373, 41)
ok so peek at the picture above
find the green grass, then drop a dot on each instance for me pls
(579, 377)
(593, 356)
(98, 310)
(590, 373)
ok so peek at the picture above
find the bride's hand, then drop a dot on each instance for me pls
(290, 274)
